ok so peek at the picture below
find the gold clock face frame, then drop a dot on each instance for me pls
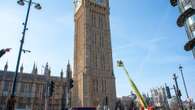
(78, 3)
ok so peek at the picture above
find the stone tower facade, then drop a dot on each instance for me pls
(94, 80)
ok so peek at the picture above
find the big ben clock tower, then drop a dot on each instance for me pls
(94, 81)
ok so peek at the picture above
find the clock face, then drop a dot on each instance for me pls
(77, 4)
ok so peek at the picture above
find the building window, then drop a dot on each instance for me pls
(0, 85)
(40, 91)
(94, 86)
(26, 89)
(101, 39)
(102, 86)
(101, 18)
(93, 18)
(103, 62)
(22, 88)
(95, 82)
(5, 88)
(105, 86)
(97, 86)
(29, 90)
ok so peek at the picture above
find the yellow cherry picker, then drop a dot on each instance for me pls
(141, 99)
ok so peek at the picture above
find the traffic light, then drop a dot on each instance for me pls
(51, 88)
(168, 92)
(179, 93)
(71, 83)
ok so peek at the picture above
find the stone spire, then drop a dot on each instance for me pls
(69, 84)
(62, 74)
(6, 66)
(22, 69)
(68, 71)
(47, 70)
(34, 70)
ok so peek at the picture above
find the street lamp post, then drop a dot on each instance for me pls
(11, 100)
(181, 70)
(178, 92)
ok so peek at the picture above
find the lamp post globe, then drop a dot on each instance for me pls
(38, 6)
(21, 2)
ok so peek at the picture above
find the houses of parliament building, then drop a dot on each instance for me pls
(31, 89)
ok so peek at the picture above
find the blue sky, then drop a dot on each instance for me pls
(144, 36)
